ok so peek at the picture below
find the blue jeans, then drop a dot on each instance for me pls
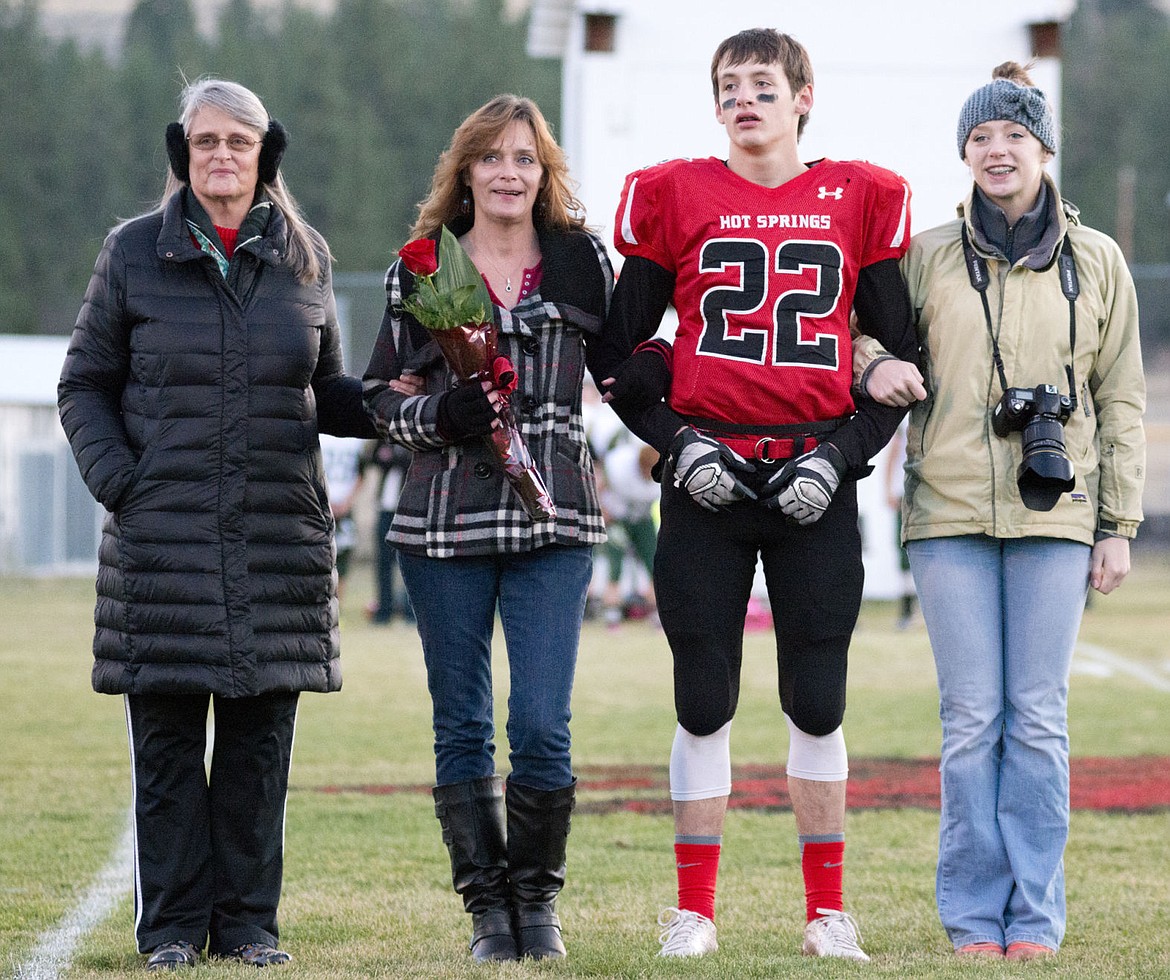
(1002, 616)
(541, 599)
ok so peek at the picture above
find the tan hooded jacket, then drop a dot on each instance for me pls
(961, 476)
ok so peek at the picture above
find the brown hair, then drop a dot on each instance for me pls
(556, 206)
(1013, 71)
(768, 47)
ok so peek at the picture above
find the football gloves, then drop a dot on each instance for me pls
(707, 469)
(803, 487)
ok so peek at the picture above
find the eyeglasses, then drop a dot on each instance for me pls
(235, 143)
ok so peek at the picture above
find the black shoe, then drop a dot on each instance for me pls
(539, 930)
(492, 938)
(260, 954)
(173, 956)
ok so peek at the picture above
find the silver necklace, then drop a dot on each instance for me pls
(507, 279)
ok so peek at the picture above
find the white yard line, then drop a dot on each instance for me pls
(1100, 657)
(55, 948)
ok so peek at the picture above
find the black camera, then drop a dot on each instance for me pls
(1038, 414)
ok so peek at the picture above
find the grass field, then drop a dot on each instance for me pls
(367, 885)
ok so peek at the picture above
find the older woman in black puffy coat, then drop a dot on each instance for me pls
(204, 362)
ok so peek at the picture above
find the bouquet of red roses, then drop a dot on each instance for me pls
(452, 302)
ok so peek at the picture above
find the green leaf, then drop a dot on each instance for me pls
(457, 272)
(463, 294)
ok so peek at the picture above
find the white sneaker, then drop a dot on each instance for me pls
(685, 933)
(834, 934)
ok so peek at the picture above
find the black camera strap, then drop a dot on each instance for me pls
(980, 277)
(1070, 285)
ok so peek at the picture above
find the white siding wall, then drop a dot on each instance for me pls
(890, 80)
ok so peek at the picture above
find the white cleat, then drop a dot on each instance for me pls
(834, 934)
(685, 933)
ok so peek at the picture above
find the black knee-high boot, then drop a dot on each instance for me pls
(472, 817)
(538, 825)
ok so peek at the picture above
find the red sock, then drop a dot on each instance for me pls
(823, 865)
(698, 867)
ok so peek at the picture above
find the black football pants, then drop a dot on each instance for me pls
(703, 573)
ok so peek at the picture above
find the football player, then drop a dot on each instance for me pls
(763, 256)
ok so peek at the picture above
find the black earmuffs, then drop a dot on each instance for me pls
(271, 152)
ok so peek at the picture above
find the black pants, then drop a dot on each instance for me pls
(703, 573)
(386, 567)
(208, 853)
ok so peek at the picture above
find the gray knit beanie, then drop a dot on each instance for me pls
(1004, 99)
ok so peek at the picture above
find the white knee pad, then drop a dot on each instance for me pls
(700, 765)
(822, 759)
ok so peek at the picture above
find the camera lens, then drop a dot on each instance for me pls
(1045, 472)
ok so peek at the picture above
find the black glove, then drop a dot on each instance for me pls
(465, 411)
(642, 379)
(803, 487)
(706, 469)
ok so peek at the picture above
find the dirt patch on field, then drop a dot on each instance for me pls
(1128, 785)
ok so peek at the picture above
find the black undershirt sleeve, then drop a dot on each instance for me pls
(882, 304)
(641, 295)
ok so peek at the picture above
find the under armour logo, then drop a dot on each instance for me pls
(835, 194)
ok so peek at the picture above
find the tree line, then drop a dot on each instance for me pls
(371, 93)
(1116, 119)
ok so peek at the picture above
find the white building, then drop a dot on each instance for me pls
(889, 81)
(49, 524)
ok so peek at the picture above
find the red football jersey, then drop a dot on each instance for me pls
(764, 280)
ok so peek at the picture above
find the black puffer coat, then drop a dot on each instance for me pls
(193, 417)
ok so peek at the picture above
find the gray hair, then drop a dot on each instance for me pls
(307, 250)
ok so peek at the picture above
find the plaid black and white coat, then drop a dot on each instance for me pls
(455, 501)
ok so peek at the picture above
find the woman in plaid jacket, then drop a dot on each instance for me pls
(466, 545)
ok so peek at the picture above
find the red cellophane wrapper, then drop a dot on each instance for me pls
(472, 352)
